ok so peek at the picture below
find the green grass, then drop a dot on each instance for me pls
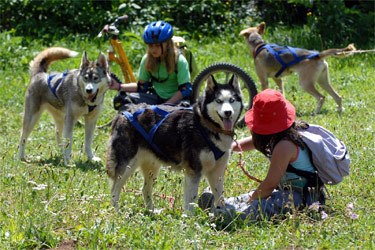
(43, 203)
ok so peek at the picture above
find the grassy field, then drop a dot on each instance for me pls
(44, 204)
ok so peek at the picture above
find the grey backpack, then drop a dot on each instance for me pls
(329, 155)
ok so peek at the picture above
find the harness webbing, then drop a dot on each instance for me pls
(285, 49)
(54, 88)
(150, 135)
(217, 152)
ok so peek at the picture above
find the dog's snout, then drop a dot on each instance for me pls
(89, 89)
(228, 113)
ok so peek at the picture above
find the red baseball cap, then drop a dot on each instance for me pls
(271, 113)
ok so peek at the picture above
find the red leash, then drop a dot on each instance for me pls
(241, 163)
(161, 196)
(171, 199)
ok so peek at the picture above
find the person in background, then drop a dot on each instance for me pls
(164, 75)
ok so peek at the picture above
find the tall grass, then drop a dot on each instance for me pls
(43, 203)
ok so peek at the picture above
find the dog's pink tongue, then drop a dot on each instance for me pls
(227, 123)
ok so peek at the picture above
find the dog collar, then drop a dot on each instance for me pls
(257, 47)
(214, 127)
(91, 108)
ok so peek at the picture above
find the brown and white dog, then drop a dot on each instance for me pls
(309, 65)
(66, 96)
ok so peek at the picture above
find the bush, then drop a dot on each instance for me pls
(333, 23)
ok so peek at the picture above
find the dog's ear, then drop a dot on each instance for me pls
(233, 82)
(211, 83)
(84, 61)
(244, 33)
(261, 28)
(102, 62)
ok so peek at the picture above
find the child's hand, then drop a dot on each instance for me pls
(115, 85)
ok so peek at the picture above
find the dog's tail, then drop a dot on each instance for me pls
(349, 50)
(42, 61)
(111, 160)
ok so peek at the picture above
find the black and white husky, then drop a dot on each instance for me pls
(195, 140)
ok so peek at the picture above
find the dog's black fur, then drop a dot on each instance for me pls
(179, 138)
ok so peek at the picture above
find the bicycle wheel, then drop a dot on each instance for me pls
(222, 73)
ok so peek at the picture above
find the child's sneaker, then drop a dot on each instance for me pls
(206, 201)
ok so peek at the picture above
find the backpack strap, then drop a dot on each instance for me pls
(306, 174)
(183, 47)
(176, 62)
(313, 179)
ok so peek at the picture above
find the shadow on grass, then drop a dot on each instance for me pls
(310, 113)
(57, 161)
(89, 165)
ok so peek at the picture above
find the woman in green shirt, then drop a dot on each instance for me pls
(162, 68)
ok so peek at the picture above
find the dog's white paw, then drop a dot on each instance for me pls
(157, 211)
(68, 161)
(96, 159)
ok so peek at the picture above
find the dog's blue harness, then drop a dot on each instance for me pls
(150, 135)
(217, 152)
(54, 88)
(284, 49)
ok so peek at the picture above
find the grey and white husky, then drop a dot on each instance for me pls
(195, 140)
(67, 96)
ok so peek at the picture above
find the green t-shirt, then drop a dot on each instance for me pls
(166, 85)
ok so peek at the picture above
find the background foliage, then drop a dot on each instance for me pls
(328, 23)
(44, 204)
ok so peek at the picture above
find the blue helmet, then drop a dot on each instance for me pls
(157, 32)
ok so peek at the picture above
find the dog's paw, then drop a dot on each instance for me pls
(68, 162)
(157, 211)
(22, 158)
(96, 159)
(340, 109)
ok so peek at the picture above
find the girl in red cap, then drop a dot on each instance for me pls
(274, 132)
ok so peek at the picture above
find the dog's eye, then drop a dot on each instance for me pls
(96, 78)
(231, 100)
(219, 101)
(86, 77)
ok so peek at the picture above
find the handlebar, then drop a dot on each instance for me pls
(121, 18)
(111, 28)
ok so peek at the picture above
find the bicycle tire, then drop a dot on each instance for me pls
(246, 83)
